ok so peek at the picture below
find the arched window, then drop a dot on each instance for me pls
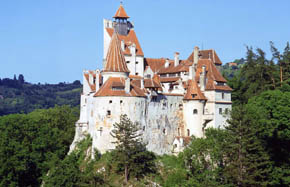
(195, 111)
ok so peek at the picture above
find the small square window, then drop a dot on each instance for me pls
(195, 111)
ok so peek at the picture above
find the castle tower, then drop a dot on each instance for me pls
(121, 24)
(115, 65)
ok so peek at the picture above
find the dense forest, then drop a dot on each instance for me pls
(18, 96)
(252, 151)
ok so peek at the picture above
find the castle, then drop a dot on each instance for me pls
(172, 99)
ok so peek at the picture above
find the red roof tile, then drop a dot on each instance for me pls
(115, 61)
(169, 79)
(108, 90)
(121, 13)
(193, 92)
(207, 54)
(129, 39)
(155, 63)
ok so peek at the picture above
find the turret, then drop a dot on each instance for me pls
(121, 25)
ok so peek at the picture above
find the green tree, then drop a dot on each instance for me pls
(130, 153)
(246, 160)
(31, 143)
(273, 124)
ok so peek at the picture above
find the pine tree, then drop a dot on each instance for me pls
(130, 152)
(246, 161)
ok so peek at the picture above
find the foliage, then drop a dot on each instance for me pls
(76, 169)
(246, 160)
(130, 154)
(273, 124)
(30, 143)
(18, 96)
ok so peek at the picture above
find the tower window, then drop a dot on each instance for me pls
(108, 113)
(226, 111)
(188, 132)
(223, 95)
(121, 101)
(220, 110)
(136, 62)
(110, 101)
(128, 62)
(195, 111)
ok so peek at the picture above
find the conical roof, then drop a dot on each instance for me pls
(121, 13)
(115, 61)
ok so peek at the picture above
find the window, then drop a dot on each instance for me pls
(101, 130)
(128, 62)
(175, 145)
(188, 132)
(148, 76)
(110, 101)
(223, 95)
(178, 131)
(108, 113)
(226, 111)
(164, 131)
(136, 62)
(118, 88)
(143, 128)
(195, 111)
(180, 106)
(220, 110)
(136, 73)
(121, 101)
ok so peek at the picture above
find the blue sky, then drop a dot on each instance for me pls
(51, 41)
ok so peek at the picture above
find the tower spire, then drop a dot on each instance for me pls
(115, 58)
(121, 13)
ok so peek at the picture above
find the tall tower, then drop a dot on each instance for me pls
(121, 24)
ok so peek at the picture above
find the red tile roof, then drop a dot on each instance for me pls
(169, 79)
(121, 13)
(155, 63)
(107, 88)
(181, 67)
(207, 54)
(129, 39)
(115, 61)
(193, 92)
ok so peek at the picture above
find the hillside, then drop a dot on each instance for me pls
(18, 96)
(230, 69)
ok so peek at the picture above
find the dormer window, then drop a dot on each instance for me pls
(117, 88)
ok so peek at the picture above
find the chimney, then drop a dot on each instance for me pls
(127, 85)
(91, 78)
(202, 79)
(97, 80)
(191, 72)
(122, 45)
(166, 65)
(195, 56)
(142, 83)
(176, 59)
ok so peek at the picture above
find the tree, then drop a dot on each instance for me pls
(130, 153)
(21, 79)
(246, 160)
(273, 125)
(204, 159)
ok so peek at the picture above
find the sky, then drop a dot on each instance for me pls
(52, 41)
